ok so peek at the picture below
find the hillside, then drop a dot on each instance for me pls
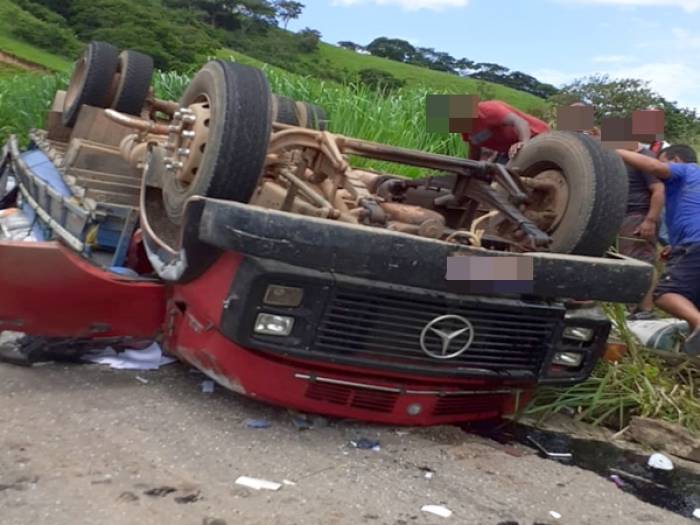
(275, 47)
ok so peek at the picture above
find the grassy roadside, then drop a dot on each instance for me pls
(34, 54)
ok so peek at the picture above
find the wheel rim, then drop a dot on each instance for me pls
(549, 194)
(76, 82)
(187, 141)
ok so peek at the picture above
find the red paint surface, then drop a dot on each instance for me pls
(193, 317)
(46, 289)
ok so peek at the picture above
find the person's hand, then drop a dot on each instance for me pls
(514, 149)
(665, 253)
(647, 230)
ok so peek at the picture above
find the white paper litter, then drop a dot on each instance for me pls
(257, 484)
(696, 513)
(287, 482)
(150, 358)
(659, 461)
(428, 475)
(438, 510)
(554, 514)
(142, 380)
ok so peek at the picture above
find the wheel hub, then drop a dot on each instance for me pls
(187, 140)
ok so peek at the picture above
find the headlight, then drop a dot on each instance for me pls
(270, 324)
(578, 333)
(568, 359)
(278, 295)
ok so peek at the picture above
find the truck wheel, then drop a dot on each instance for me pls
(220, 149)
(91, 81)
(312, 116)
(284, 110)
(135, 72)
(578, 191)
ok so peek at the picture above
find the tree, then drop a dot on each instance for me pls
(352, 46)
(620, 97)
(379, 80)
(309, 40)
(288, 10)
(392, 48)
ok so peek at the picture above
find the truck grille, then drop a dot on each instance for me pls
(378, 327)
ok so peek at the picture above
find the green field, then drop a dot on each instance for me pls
(10, 14)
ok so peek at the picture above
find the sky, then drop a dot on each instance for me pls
(554, 40)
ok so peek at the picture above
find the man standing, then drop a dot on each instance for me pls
(501, 128)
(639, 231)
(678, 290)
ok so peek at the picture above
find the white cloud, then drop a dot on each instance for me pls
(684, 39)
(409, 5)
(611, 59)
(687, 5)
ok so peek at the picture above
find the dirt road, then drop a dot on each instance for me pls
(87, 445)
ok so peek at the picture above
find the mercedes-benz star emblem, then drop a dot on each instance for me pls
(448, 328)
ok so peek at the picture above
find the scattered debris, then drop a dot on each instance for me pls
(257, 423)
(659, 461)
(428, 475)
(150, 358)
(366, 444)
(160, 492)
(213, 521)
(554, 514)
(257, 484)
(287, 482)
(617, 480)
(189, 498)
(128, 497)
(549, 454)
(438, 510)
(696, 513)
(300, 422)
(142, 380)
(207, 386)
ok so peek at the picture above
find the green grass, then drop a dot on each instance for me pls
(640, 384)
(10, 15)
(415, 76)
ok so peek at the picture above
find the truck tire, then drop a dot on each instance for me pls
(597, 187)
(135, 73)
(311, 116)
(285, 110)
(238, 131)
(91, 81)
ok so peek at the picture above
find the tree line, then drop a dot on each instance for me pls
(403, 51)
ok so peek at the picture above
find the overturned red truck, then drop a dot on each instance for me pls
(232, 227)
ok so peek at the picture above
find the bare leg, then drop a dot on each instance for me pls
(678, 306)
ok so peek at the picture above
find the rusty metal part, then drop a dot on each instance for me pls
(410, 214)
(164, 106)
(143, 125)
(549, 198)
(272, 195)
(484, 193)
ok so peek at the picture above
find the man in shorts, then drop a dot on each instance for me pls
(638, 235)
(678, 289)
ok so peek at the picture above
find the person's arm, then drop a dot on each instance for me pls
(521, 126)
(474, 152)
(649, 165)
(650, 225)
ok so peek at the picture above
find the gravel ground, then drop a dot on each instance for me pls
(88, 445)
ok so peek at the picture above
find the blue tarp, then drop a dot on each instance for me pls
(43, 168)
